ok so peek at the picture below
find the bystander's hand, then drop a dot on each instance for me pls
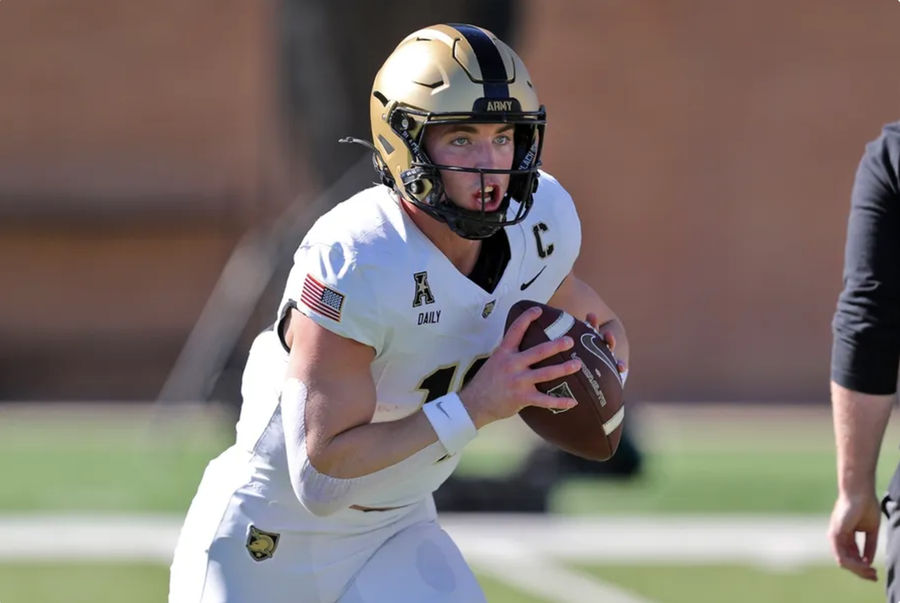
(851, 515)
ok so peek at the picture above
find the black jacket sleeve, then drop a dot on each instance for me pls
(866, 326)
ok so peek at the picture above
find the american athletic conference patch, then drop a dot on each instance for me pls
(261, 544)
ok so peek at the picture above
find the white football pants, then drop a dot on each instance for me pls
(399, 556)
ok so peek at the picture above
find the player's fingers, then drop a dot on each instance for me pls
(610, 340)
(544, 350)
(551, 402)
(549, 373)
(516, 331)
(592, 320)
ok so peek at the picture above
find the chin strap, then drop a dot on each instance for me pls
(468, 224)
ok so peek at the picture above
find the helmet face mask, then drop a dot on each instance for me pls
(450, 74)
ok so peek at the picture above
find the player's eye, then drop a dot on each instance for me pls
(502, 139)
(459, 141)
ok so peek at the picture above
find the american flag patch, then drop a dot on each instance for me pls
(321, 298)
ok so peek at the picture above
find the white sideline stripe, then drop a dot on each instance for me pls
(149, 538)
(521, 550)
(686, 540)
(541, 576)
(769, 541)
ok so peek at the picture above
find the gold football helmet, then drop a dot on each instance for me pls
(448, 74)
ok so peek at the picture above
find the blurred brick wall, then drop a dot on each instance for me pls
(111, 102)
(710, 148)
(137, 142)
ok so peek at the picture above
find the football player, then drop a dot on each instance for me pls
(389, 350)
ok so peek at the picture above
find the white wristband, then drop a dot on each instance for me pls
(451, 422)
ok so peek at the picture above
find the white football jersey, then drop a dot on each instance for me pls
(366, 272)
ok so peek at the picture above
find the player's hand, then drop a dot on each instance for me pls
(609, 338)
(505, 384)
(852, 515)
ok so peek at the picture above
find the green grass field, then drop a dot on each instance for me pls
(106, 459)
(704, 460)
(135, 583)
(739, 584)
(698, 461)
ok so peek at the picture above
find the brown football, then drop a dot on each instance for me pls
(593, 428)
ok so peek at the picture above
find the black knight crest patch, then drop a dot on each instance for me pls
(261, 544)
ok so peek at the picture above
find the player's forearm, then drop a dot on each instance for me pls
(859, 424)
(368, 448)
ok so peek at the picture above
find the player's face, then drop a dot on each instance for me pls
(472, 146)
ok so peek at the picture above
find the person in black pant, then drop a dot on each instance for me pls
(864, 364)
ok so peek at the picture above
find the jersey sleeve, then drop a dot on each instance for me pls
(327, 285)
(866, 325)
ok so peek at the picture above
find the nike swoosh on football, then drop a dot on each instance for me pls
(528, 284)
(587, 340)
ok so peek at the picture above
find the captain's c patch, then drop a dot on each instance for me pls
(261, 544)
